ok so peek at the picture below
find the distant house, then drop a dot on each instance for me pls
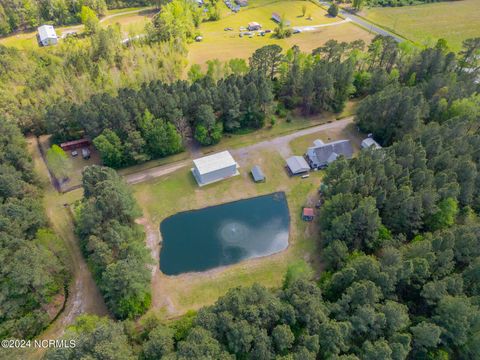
(241, 3)
(278, 19)
(75, 144)
(321, 155)
(369, 142)
(297, 165)
(308, 214)
(47, 35)
(257, 174)
(216, 167)
(252, 26)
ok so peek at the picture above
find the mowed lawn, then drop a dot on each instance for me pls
(224, 45)
(454, 21)
(178, 191)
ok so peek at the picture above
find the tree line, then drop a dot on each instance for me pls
(112, 243)
(33, 271)
(76, 69)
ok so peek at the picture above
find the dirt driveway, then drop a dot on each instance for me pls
(280, 144)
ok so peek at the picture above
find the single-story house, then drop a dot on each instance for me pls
(257, 174)
(216, 167)
(252, 26)
(277, 18)
(47, 35)
(241, 3)
(308, 214)
(297, 165)
(321, 155)
(75, 144)
(369, 142)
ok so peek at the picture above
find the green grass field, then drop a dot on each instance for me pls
(224, 45)
(454, 21)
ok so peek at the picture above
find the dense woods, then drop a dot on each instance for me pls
(76, 69)
(112, 243)
(400, 236)
(32, 256)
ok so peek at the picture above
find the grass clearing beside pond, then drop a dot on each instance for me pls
(423, 24)
(178, 191)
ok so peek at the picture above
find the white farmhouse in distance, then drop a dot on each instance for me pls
(213, 168)
(47, 35)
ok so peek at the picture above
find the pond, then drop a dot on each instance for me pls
(204, 239)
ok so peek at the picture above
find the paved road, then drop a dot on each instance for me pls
(280, 144)
(366, 24)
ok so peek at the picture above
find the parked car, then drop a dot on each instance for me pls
(305, 176)
(228, 29)
(74, 153)
(268, 31)
(297, 31)
(86, 153)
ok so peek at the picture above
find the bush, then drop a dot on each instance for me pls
(280, 110)
(333, 10)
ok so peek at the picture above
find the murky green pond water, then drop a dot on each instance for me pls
(225, 234)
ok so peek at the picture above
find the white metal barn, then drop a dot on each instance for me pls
(216, 167)
(47, 35)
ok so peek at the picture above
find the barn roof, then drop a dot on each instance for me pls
(214, 162)
(46, 32)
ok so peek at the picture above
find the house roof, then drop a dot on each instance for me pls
(366, 143)
(297, 164)
(308, 212)
(46, 32)
(257, 173)
(253, 23)
(327, 153)
(214, 162)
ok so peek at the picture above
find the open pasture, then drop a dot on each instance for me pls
(224, 45)
(424, 24)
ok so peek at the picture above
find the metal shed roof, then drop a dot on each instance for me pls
(214, 162)
(46, 32)
(297, 164)
(257, 173)
(366, 143)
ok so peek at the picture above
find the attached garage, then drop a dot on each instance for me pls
(297, 165)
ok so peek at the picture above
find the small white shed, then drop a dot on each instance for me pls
(213, 168)
(47, 35)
